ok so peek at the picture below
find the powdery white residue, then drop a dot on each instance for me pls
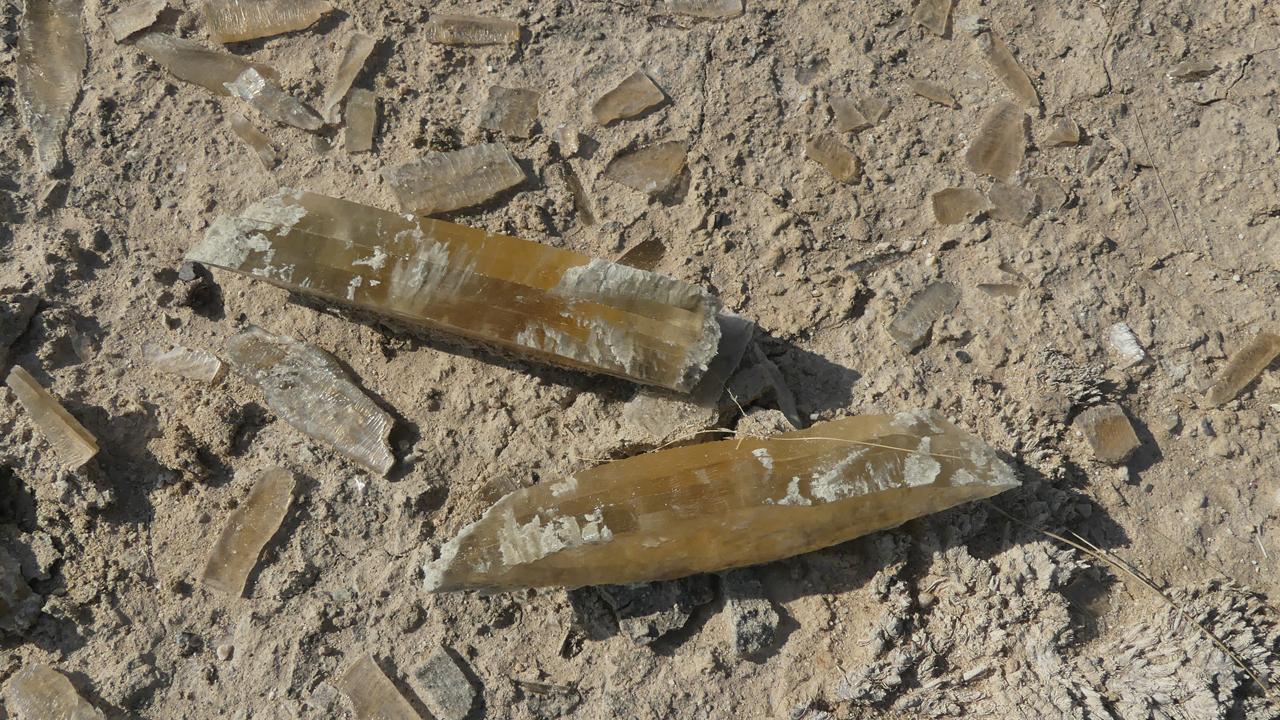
(377, 262)
(919, 468)
(763, 456)
(833, 484)
(355, 283)
(564, 487)
(793, 494)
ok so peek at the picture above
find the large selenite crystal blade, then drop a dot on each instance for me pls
(74, 445)
(372, 693)
(359, 45)
(235, 20)
(444, 181)
(39, 692)
(721, 505)
(524, 296)
(248, 530)
(1001, 141)
(51, 60)
(194, 63)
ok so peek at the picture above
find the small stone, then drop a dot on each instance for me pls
(647, 611)
(190, 271)
(19, 607)
(1109, 432)
(444, 684)
(1052, 406)
(225, 651)
(322, 697)
(753, 623)
(1206, 427)
(1221, 447)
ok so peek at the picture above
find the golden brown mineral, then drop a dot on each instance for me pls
(848, 116)
(235, 20)
(933, 14)
(998, 148)
(1062, 131)
(1243, 367)
(1049, 193)
(38, 692)
(1007, 70)
(248, 530)
(1012, 204)
(443, 181)
(911, 325)
(720, 505)
(510, 111)
(932, 91)
(359, 45)
(1109, 433)
(470, 30)
(827, 150)
(953, 205)
(255, 139)
(134, 18)
(273, 103)
(651, 169)
(633, 96)
(372, 693)
(359, 116)
(194, 63)
(71, 442)
(51, 61)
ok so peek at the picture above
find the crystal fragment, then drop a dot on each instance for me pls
(1062, 131)
(932, 91)
(997, 150)
(652, 169)
(1243, 367)
(1097, 155)
(580, 201)
(1011, 203)
(236, 20)
(38, 692)
(196, 64)
(19, 606)
(633, 96)
(848, 116)
(567, 139)
(248, 530)
(998, 289)
(440, 182)
(70, 441)
(644, 255)
(470, 30)
(953, 205)
(827, 150)
(933, 14)
(1007, 70)
(912, 323)
(360, 116)
(1109, 433)
(373, 694)
(133, 18)
(720, 505)
(359, 45)
(257, 141)
(711, 9)
(446, 690)
(1192, 70)
(309, 389)
(524, 296)
(51, 60)
(513, 112)
(184, 362)
(272, 102)
(1049, 194)
(1125, 345)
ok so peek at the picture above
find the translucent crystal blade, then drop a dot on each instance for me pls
(933, 14)
(1062, 131)
(185, 362)
(51, 61)
(74, 445)
(632, 96)
(721, 505)
(912, 323)
(524, 296)
(359, 45)
(470, 30)
(651, 169)
(1007, 70)
(1012, 204)
(373, 694)
(510, 111)
(1192, 70)
(38, 692)
(272, 102)
(953, 205)
(440, 182)
(711, 9)
(848, 116)
(235, 20)
(1109, 433)
(309, 389)
(248, 530)
(360, 115)
(197, 64)
(257, 141)
(1243, 367)
(828, 151)
(998, 148)
(932, 91)
(134, 18)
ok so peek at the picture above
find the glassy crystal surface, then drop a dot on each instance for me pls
(632, 96)
(848, 116)
(1109, 433)
(1097, 155)
(1125, 345)
(440, 182)
(470, 30)
(510, 111)
(720, 505)
(1049, 193)
(51, 61)
(933, 14)
(953, 205)
(309, 389)
(1011, 203)
(360, 116)
(235, 20)
(1243, 367)
(567, 139)
(373, 694)
(19, 606)
(1007, 70)
(272, 102)
(38, 692)
(185, 362)
(74, 445)
(524, 296)
(827, 150)
(248, 529)
(1192, 70)
(258, 142)
(1062, 131)
(911, 325)
(714, 9)
(651, 169)
(1000, 289)
(194, 63)
(359, 45)
(998, 148)
(932, 91)
(644, 255)
(133, 18)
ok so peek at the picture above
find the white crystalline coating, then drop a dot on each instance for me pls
(229, 241)
(834, 485)
(1125, 345)
(919, 468)
(763, 456)
(567, 486)
(794, 497)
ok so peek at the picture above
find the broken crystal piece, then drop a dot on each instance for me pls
(513, 112)
(1007, 70)
(38, 692)
(272, 102)
(1109, 433)
(1243, 367)
(524, 296)
(185, 362)
(998, 289)
(470, 30)
(1062, 131)
(236, 20)
(440, 182)
(248, 530)
(51, 60)
(848, 116)
(932, 91)
(134, 18)
(912, 323)
(827, 150)
(580, 201)
(1049, 194)
(933, 14)
(711, 9)
(874, 109)
(1125, 345)
(196, 64)
(445, 687)
(373, 694)
(1011, 204)
(360, 116)
(953, 205)
(19, 607)
(70, 441)
(652, 169)
(359, 45)
(997, 150)
(720, 505)
(644, 255)
(1097, 155)
(309, 389)
(257, 141)
(1192, 70)
(567, 139)
(632, 96)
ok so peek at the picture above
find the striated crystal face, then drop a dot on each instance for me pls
(257, 141)
(632, 96)
(133, 18)
(719, 505)
(1243, 367)
(470, 30)
(373, 694)
(248, 530)
(359, 45)
(524, 296)
(1007, 70)
(443, 181)
(510, 111)
(828, 151)
(235, 20)
(953, 205)
(74, 445)
(650, 170)
(39, 692)
(360, 115)
(932, 91)
(272, 102)
(194, 63)
(999, 145)
(1109, 433)
(185, 362)
(933, 14)
(1012, 204)
(51, 60)
(912, 323)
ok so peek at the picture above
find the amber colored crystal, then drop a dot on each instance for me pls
(38, 692)
(633, 96)
(359, 45)
(134, 18)
(953, 205)
(372, 693)
(360, 116)
(51, 61)
(470, 30)
(1243, 367)
(828, 151)
(720, 505)
(248, 530)
(1049, 193)
(440, 182)
(998, 148)
(711, 9)
(1062, 131)
(184, 362)
(1007, 70)
(510, 111)
(235, 20)
(70, 441)
(272, 102)
(1192, 70)
(848, 116)
(194, 63)
(932, 91)
(912, 323)
(1011, 203)
(257, 141)
(644, 255)
(524, 296)
(650, 169)
(933, 14)
(1109, 433)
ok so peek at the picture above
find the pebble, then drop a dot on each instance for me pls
(225, 651)
(445, 687)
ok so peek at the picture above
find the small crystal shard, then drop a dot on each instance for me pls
(1062, 131)
(359, 45)
(440, 182)
(912, 323)
(998, 148)
(184, 362)
(470, 30)
(953, 205)
(51, 61)
(360, 116)
(1011, 203)
(567, 139)
(1192, 70)
(1007, 70)
(933, 14)
(848, 116)
(134, 18)
(711, 9)
(1125, 345)
(1109, 433)
(650, 169)
(309, 389)
(248, 530)
(446, 690)
(513, 112)
(999, 289)
(257, 141)
(524, 296)
(632, 96)
(828, 151)
(1243, 367)
(70, 441)
(932, 91)
(272, 102)
(1097, 155)
(38, 692)
(644, 255)
(1049, 194)
(373, 694)
(196, 64)
(236, 20)
(19, 606)
(720, 505)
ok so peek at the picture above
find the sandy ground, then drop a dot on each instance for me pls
(965, 613)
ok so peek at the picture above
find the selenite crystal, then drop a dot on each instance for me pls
(373, 694)
(133, 18)
(633, 96)
(74, 445)
(39, 692)
(248, 530)
(933, 14)
(359, 45)
(1000, 143)
(360, 116)
(51, 61)
(272, 102)
(828, 151)
(1243, 367)
(470, 30)
(912, 323)
(1109, 433)
(235, 20)
(194, 63)
(1007, 70)
(510, 111)
(710, 9)
(932, 91)
(444, 181)
(185, 362)
(953, 205)
(652, 169)
(257, 141)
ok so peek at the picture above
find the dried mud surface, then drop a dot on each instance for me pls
(966, 613)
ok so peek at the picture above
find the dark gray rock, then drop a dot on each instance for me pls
(19, 606)
(445, 687)
(753, 623)
(647, 611)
